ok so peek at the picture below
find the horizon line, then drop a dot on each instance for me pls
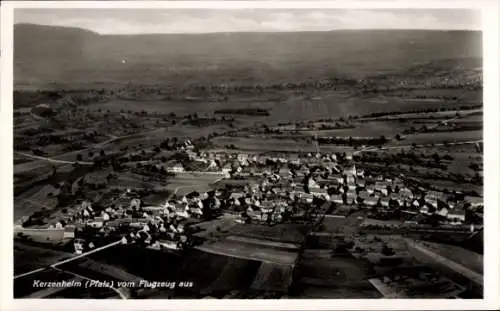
(249, 31)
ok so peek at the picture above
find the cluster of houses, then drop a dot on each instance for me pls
(153, 226)
(269, 189)
(277, 184)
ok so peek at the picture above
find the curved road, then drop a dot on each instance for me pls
(28, 166)
(421, 145)
(52, 160)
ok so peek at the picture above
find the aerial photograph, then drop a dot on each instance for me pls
(247, 153)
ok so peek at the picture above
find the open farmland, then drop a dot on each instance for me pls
(250, 252)
(235, 275)
(214, 273)
(438, 138)
(333, 277)
(30, 257)
(460, 255)
(273, 277)
(288, 233)
(275, 145)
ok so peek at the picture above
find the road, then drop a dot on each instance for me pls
(423, 145)
(417, 146)
(85, 254)
(24, 167)
(29, 273)
(52, 160)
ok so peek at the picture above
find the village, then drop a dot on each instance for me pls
(266, 190)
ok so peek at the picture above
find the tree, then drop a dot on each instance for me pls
(102, 153)
(387, 251)
(474, 166)
(79, 158)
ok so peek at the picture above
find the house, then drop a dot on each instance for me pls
(320, 192)
(227, 168)
(86, 205)
(78, 245)
(474, 201)
(456, 215)
(435, 195)
(405, 193)
(294, 159)
(168, 244)
(135, 203)
(95, 224)
(266, 208)
(361, 183)
(285, 173)
(196, 211)
(442, 212)
(371, 201)
(177, 168)
(336, 198)
(381, 186)
(69, 232)
(432, 201)
(425, 210)
(364, 194)
(306, 197)
(370, 189)
(311, 184)
(360, 173)
(242, 158)
(350, 180)
(351, 197)
(396, 199)
(350, 184)
(384, 202)
(237, 195)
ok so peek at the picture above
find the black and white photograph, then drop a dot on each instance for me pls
(248, 153)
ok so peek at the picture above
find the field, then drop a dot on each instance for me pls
(288, 233)
(225, 223)
(273, 277)
(437, 138)
(460, 255)
(262, 144)
(333, 277)
(184, 183)
(28, 257)
(249, 252)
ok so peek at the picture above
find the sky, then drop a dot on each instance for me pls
(128, 21)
